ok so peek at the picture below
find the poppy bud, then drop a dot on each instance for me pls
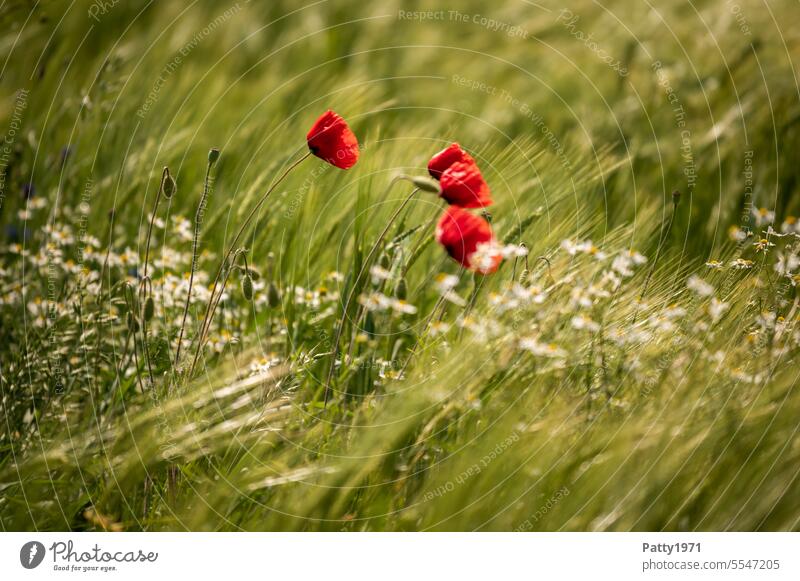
(133, 324)
(169, 186)
(385, 262)
(273, 295)
(247, 287)
(149, 309)
(130, 295)
(426, 184)
(523, 276)
(213, 155)
(401, 291)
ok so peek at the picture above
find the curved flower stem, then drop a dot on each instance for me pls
(356, 282)
(164, 174)
(211, 307)
(198, 222)
(146, 285)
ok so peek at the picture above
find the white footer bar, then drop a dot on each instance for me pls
(406, 556)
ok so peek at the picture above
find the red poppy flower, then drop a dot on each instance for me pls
(445, 158)
(463, 185)
(332, 140)
(468, 239)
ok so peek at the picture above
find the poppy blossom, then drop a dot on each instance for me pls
(463, 185)
(468, 239)
(331, 139)
(447, 157)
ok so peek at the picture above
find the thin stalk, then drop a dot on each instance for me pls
(164, 175)
(424, 335)
(356, 282)
(676, 196)
(145, 290)
(198, 222)
(212, 303)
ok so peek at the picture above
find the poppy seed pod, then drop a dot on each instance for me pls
(331, 139)
(149, 309)
(273, 295)
(247, 287)
(401, 291)
(169, 187)
(213, 155)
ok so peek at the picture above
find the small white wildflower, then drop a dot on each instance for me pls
(766, 320)
(571, 247)
(486, 257)
(378, 273)
(786, 263)
(503, 302)
(402, 307)
(699, 286)
(541, 349)
(376, 302)
(674, 312)
(622, 265)
(762, 245)
(513, 251)
(717, 308)
(741, 264)
(439, 328)
(183, 228)
(661, 323)
(763, 216)
(737, 234)
(597, 291)
(446, 282)
(335, 276)
(637, 258)
(611, 279)
(531, 294)
(583, 322)
(482, 328)
(790, 225)
(714, 264)
(580, 298)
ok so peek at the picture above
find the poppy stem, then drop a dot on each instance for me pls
(198, 222)
(146, 285)
(351, 294)
(212, 301)
(164, 174)
(360, 312)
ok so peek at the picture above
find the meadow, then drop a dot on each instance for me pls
(181, 351)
